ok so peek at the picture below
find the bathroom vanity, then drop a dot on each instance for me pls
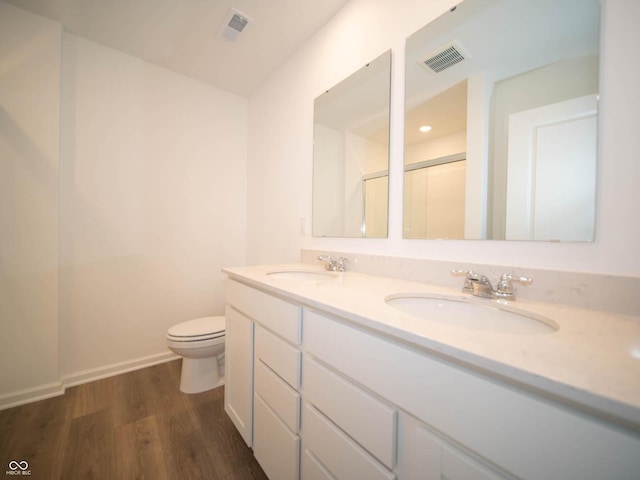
(327, 379)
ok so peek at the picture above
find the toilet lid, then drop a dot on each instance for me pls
(198, 327)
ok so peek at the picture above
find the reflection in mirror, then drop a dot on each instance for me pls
(435, 166)
(351, 154)
(501, 122)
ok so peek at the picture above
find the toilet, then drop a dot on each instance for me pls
(200, 343)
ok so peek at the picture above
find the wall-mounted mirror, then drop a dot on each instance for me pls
(501, 122)
(351, 154)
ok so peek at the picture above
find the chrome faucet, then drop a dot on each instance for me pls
(332, 264)
(480, 285)
(470, 278)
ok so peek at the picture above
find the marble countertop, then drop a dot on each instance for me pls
(592, 361)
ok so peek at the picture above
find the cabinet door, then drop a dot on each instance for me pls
(238, 390)
(434, 459)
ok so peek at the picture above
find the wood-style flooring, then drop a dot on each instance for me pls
(136, 425)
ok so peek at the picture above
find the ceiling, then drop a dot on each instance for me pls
(446, 113)
(182, 35)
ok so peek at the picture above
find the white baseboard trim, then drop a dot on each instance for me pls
(90, 375)
(28, 395)
(53, 389)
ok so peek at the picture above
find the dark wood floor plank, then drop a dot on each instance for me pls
(133, 397)
(229, 452)
(133, 426)
(174, 426)
(248, 472)
(91, 397)
(188, 458)
(37, 434)
(90, 448)
(139, 453)
(163, 382)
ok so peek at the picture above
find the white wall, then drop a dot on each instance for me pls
(438, 147)
(153, 196)
(280, 146)
(553, 83)
(328, 172)
(122, 194)
(29, 132)
(342, 160)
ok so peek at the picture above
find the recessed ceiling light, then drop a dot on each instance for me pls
(425, 128)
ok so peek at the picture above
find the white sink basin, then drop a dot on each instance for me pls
(304, 275)
(460, 312)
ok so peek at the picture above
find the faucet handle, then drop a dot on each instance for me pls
(470, 277)
(467, 273)
(505, 285)
(327, 260)
(340, 264)
(510, 278)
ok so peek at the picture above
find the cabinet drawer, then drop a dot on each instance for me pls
(282, 399)
(278, 315)
(366, 419)
(337, 452)
(274, 446)
(312, 469)
(279, 356)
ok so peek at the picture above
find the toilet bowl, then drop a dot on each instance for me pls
(200, 343)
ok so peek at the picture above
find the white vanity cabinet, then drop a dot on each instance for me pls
(485, 428)
(275, 378)
(334, 400)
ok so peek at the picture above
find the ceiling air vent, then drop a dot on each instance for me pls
(444, 57)
(235, 23)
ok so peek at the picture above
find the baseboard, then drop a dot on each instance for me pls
(90, 375)
(53, 389)
(28, 395)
